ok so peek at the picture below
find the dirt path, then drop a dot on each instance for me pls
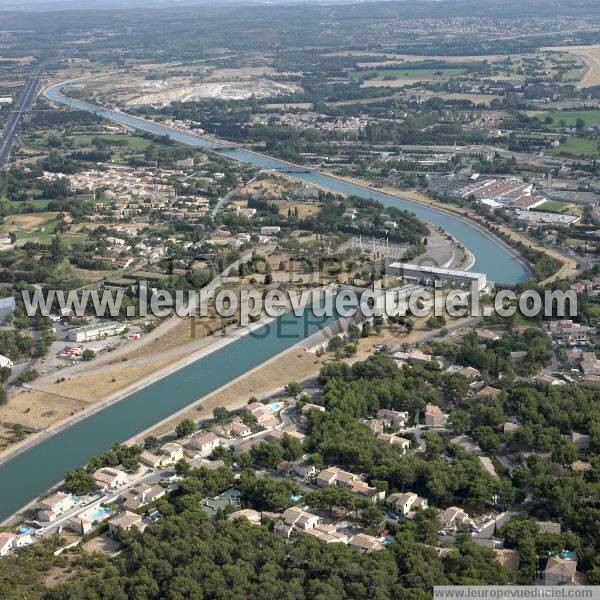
(591, 56)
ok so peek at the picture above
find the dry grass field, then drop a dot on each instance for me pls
(591, 56)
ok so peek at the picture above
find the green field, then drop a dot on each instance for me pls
(552, 206)
(38, 203)
(574, 75)
(407, 73)
(133, 141)
(591, 117)
(578, 147)
(594, 309)
(29, 226)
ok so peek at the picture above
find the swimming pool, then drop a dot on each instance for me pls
(275, 407)
(99, 513)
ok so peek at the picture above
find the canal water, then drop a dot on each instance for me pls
(35, 470)
(490, 257)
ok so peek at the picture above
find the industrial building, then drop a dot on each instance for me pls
(95, 332)
(438, 277)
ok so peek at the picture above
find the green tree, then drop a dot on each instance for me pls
(293, 388)
(185, 428)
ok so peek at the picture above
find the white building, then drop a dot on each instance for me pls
(53, 506)
(5, 362)
(270, 230)
(95, 332)
(109, 478)
(6, 542)
(402, 504)
(204, 443)
(437, 277)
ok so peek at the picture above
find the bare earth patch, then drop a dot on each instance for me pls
(591, 56)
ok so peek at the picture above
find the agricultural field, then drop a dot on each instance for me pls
(569, 117)
(117, 139)
(389, 74)
(590, 55)
(553, 206)
(13, 205)
(35, 226)
(578, 147)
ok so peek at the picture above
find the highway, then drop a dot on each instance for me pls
(15, 121)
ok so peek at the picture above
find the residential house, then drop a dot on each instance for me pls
(141, 495)
(260, 413)
(580, 467)
(566, 331)
(509, 427)
(174, 451)
(5, 362)
(590, 365)
(282, 529)
(485, 335)
(326, 478)
(508, 558)
(303, 468)
(85, 521)
(392, 418)
(327, 534)
(469, 372)
(51, 507)
(454, 518)
(239, 428)
(168, 455)
(518, 356)
(581, 440)
(306, 409)
(549, 527)
(488, 466)
(548, 379)
(7, 541)
(561, 571)
(278, 434)
(107, 478)
(585, 286)
(252, 515)
(300, 518)
(376, 425)
(489, 392)
(415, 357)
(364, 489)
(467, 443)
(335, 476)
(270, 230)
(589, 380)
(403, 503)
(296, 517)
(124, 522)
(365, 543)
(434, 417)
(395, 440)
(204, 443)
(235, 428)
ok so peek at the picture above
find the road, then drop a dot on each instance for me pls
(224, 201)
(105, 362)
(15, 121)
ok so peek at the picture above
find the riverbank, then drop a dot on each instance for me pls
(567, 270)
(156, 370)
(492, 257)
